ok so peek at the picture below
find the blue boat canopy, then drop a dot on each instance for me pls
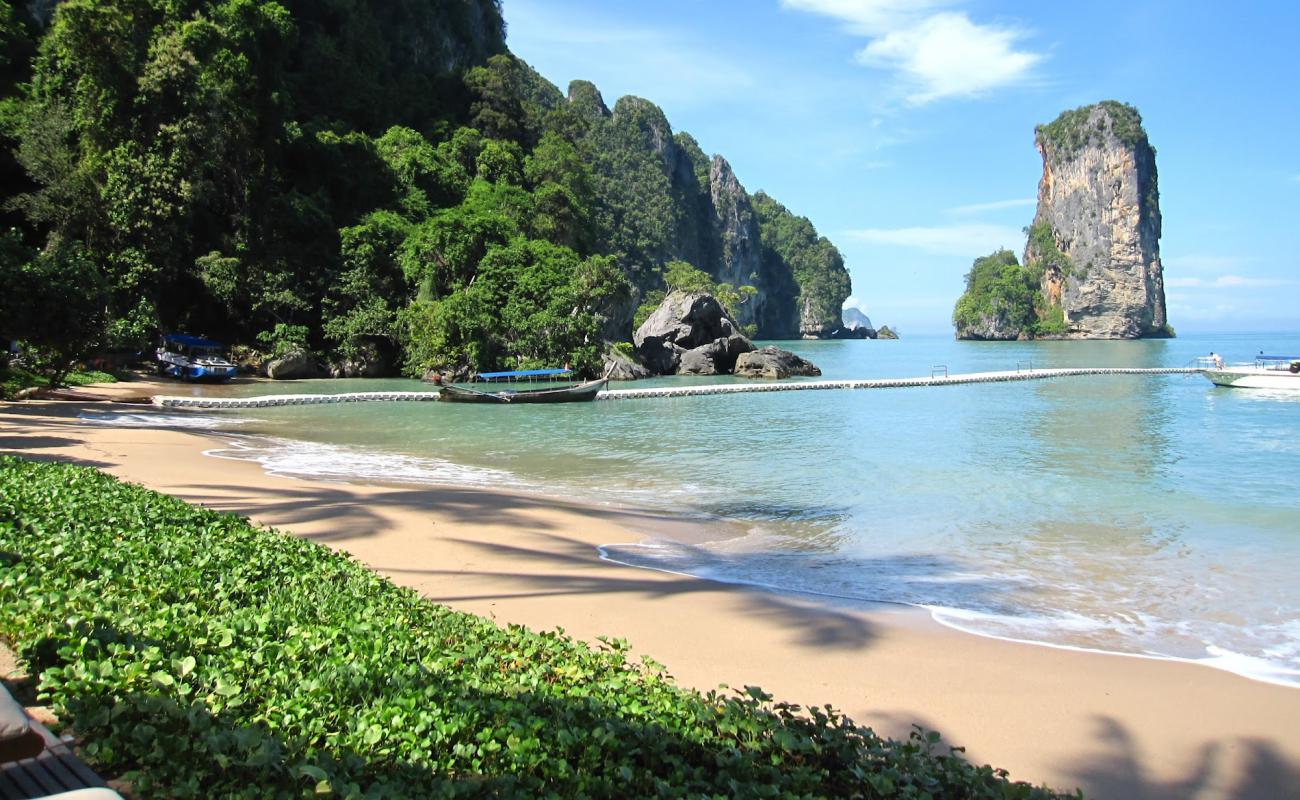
(189, 341)
(523, 373)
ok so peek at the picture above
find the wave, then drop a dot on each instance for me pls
(291, 458)
(160, 419)
(1276, 661)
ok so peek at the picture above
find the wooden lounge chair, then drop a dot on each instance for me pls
(36, 763)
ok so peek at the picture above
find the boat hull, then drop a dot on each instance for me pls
(1254, 378)
(577, 393)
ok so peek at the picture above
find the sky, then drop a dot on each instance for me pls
(904, 128)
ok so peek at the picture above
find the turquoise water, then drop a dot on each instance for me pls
(1155, 515)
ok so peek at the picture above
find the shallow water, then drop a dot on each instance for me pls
(1155, 515)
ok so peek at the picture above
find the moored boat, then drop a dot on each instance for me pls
(193, 358)
(1266, 372)
(570, 393)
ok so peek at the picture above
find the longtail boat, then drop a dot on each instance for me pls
(571, 393)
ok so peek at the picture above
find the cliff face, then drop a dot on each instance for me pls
(1096, 234)
(659, 198)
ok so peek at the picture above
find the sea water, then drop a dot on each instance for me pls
(1150, 515)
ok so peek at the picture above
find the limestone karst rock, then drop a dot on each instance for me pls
(1096, 234)
(1091, 267)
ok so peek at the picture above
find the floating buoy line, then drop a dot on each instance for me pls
(268, 401)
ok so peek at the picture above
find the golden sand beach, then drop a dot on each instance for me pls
(1119, 727)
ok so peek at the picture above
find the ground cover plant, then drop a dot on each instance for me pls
(15, 379)
(200, 656)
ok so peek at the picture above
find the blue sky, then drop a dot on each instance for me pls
(904, 128)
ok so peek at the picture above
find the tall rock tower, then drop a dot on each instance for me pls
(1096, 234)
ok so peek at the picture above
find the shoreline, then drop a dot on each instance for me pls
(1129, 727)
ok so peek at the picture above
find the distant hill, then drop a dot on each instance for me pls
(853, 319)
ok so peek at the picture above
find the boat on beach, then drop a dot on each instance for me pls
(193, 358)
(1266, 372)
(582, 392)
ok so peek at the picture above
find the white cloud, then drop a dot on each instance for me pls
(1227, 282)
(868, 17)
(947, 55)
(967, 240)
(933, 53)
(996, 205)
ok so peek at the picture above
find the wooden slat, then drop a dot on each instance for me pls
(23, 781)
(9, 788)
(59, 773)
(53, 771)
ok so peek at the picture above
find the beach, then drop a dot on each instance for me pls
(1117, 726)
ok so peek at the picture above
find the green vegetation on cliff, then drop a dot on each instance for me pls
(814, 263)
(1004, 299)
(199, 656)
(1073, 130)
(350, 172)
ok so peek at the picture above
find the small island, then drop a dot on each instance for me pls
(1091, 267)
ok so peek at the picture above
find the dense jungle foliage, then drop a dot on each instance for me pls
(372, 181)
(1006, 296)
(197, 655)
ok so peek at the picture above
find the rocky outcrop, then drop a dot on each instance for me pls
(886, 332)
(294, 365)
(773, 362)
(618, 367)
(1096, 233)
(690, 333)
(369, 361)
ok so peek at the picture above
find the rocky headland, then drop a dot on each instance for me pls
(1091, 267)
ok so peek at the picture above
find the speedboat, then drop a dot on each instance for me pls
(193, 358)
(1266, 372)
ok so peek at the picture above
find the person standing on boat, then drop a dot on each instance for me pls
(1217, 359)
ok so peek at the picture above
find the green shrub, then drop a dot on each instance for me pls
(284, 339)
(1000, 289)
(200, 656)
(15, 379)
(1051, 322)
(1045, 252)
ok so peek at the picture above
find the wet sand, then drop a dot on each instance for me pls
(1119, 727)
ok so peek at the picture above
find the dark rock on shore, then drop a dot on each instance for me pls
(368, 362)
(853, 333)
(773, 362)
(294, 365)
(692, 334)
(618, 367)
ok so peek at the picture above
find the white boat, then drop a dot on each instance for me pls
(1267, 372)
